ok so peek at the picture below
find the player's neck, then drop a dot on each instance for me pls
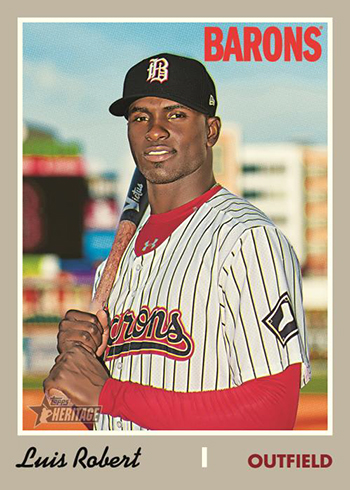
(166, 197)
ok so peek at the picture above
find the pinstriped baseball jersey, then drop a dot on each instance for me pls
(218, 303)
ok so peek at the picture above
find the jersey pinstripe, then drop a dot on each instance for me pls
(226, 286)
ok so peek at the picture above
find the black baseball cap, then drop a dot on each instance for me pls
(168, 76)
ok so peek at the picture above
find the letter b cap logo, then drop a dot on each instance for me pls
(158, 70)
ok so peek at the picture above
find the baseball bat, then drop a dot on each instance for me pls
(134, 207)
(135, 204)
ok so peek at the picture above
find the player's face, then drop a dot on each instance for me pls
(169, 141)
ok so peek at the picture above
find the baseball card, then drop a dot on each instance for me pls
(176, 269)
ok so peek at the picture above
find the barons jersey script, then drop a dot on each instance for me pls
(216, 304)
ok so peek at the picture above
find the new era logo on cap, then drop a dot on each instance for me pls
(187, 82)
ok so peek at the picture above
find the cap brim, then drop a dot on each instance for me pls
(120, 106)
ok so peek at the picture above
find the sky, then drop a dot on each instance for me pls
(73, 71)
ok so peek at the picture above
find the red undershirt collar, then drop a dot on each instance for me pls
(152, 234)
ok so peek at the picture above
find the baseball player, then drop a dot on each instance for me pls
(204, 326)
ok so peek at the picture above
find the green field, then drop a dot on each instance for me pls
(318, 383)
(33, 382)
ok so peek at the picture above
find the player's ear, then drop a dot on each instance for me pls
(213, 130)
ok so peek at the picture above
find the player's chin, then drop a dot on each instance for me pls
(161, 178)
(158, 173)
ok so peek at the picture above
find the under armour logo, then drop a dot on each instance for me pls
(148, 244)
(158, 70)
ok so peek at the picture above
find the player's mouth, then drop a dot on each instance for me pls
(158, 153)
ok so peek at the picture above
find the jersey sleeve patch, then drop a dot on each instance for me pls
(281, 320)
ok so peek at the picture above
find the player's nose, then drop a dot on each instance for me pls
(157, 131)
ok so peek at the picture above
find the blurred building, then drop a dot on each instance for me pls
(226, 158)
(271, 178)
(315, 266)
(315, 191)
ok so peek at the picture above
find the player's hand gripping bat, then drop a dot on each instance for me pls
(134, 207)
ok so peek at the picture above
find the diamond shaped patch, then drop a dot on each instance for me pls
(281, 320)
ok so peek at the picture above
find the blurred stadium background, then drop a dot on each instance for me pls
(69, 219)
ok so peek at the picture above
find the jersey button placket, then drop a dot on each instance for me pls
(135, 277)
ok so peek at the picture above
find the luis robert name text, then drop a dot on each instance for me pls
(81, 459)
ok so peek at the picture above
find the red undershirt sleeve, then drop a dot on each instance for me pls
(268, 403)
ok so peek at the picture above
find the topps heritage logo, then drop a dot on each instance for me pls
(56, 410)
(255, 44)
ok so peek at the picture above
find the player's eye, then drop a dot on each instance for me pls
(139, 118)
(177, 115)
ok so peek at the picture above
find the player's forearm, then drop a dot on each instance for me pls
(263, 404)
